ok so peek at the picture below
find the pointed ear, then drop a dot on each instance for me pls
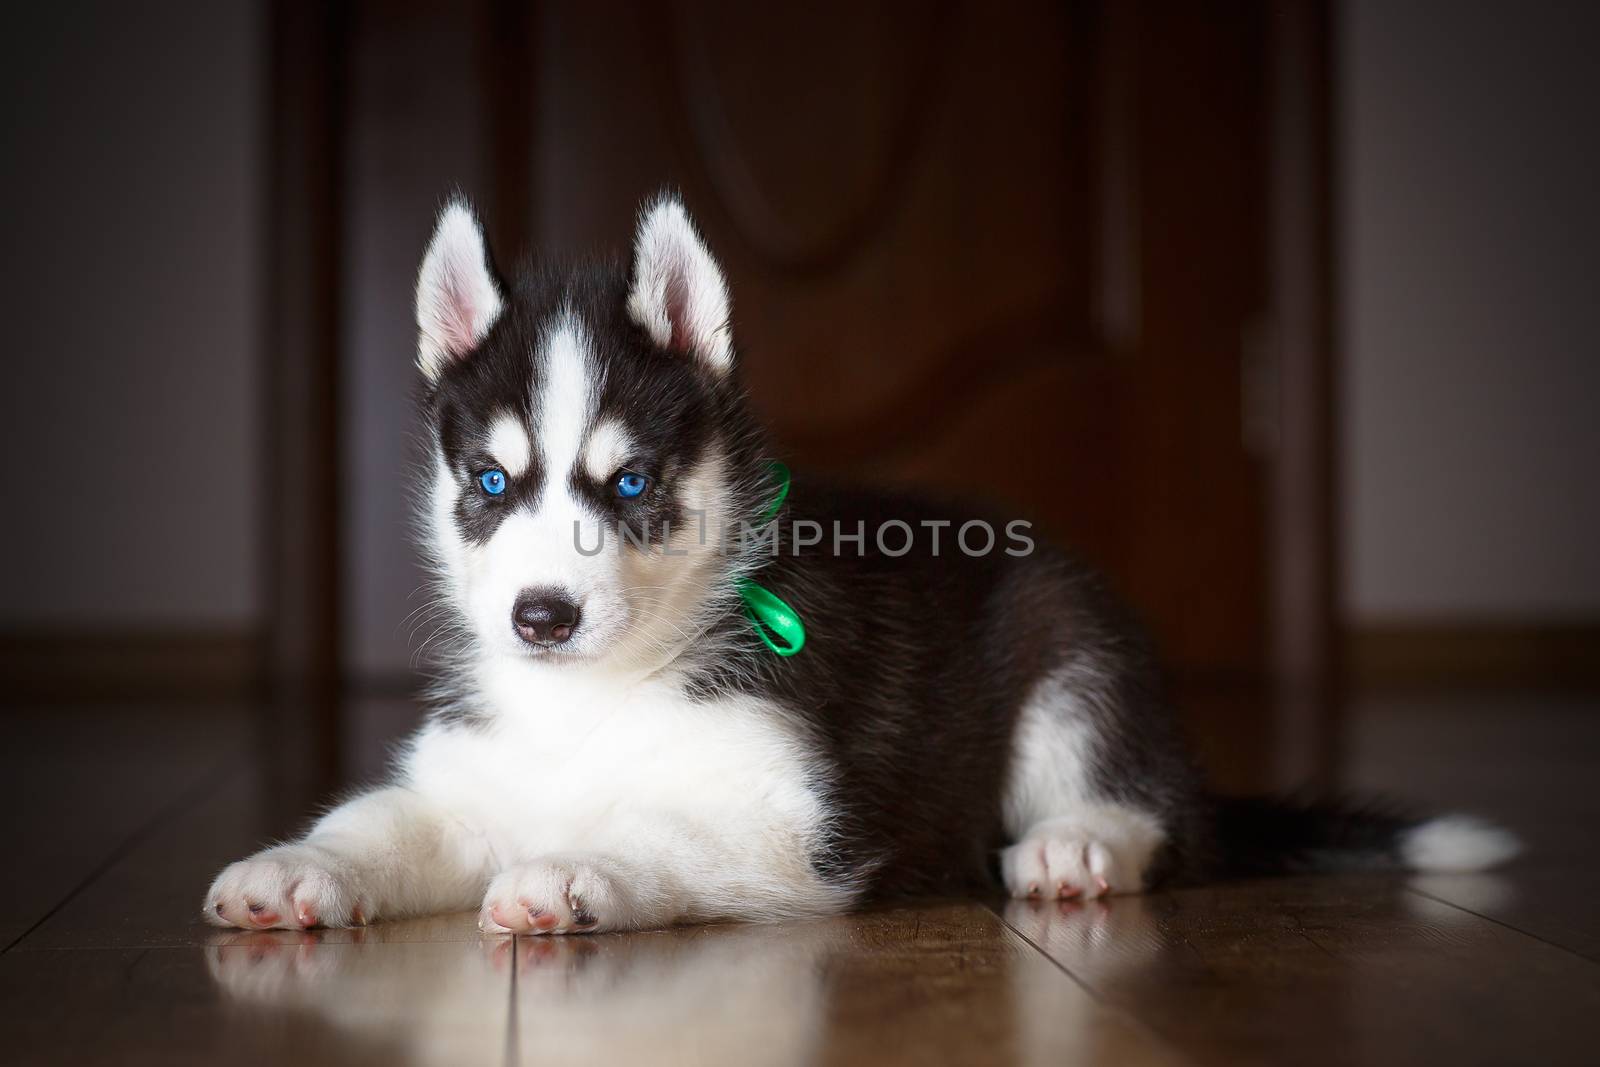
(678, 293)
(458, 298)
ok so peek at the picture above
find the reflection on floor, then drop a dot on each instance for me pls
(120, 816)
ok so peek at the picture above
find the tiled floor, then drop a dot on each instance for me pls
(120, 816)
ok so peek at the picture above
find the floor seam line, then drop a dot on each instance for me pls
(126, 846)
(1115, 1009)
(1503, 924)
(513, 1038)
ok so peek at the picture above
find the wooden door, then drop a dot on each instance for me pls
(1013, 249)
(1020, 250)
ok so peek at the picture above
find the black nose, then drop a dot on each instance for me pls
(543, 617)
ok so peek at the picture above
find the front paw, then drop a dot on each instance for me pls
(292, 887)
(559, 895)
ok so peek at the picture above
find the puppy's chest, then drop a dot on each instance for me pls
(557, 782)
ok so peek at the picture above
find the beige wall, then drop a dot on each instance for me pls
(130, 259)
(1470, 169)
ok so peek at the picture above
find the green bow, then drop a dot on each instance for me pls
(776, 623)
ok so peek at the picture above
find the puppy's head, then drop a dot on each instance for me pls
(589, 446)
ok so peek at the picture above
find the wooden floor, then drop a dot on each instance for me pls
(119, 818)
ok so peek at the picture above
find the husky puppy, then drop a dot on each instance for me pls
(619, 743)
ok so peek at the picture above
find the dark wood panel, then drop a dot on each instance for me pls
(1423, 655)
(1292, 393)
(300, 354)
(1196, 562)
(1013, 251)
(76, 665)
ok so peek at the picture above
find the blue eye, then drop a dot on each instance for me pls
(630, 485)
(493, 482)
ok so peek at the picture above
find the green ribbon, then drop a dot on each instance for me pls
(776, 623)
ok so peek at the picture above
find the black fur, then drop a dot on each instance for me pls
(1273, 835)
(914, 672)
(670, 403)
(916, 666)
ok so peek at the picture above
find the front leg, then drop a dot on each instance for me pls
(388, 853)
(656, 871)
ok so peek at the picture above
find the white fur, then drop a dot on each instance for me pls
(446, 554)
(508, 444)
(665, 809)
(537, 547)
(457, 298)
(1457, 843)
(678, 293)
(358, 862)
(638, 607)
(655, 808)
(607, 448)
(1071, 843)
(587, 786)
(1050, 757)
(566, 401)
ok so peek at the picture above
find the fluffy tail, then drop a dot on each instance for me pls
(1268, 835)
